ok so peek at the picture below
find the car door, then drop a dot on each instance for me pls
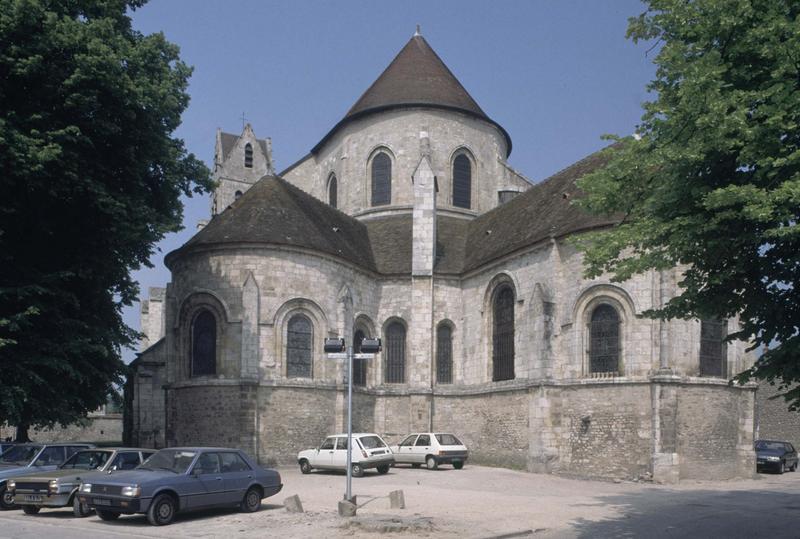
(323, 458)
(339, 460)
(405, 450)
(791, 455)
(422, 447)
(236, 476)
(207, 472)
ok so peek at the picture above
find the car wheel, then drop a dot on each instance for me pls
(416, 465)
(431, 463)
(107, 515)
(305, 467)
(252, 500)
(80, 510)
(458, 465)
(31, 509)
(383, 468)
(6, 499)
(793, 468)
(357, 470)
(162, 511)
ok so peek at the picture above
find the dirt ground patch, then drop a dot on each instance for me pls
(476, 502)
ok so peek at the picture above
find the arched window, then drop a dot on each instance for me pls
(381, 179)
(332, 186)
(444, 354)
(503, 335)
(204, 344)
(237, 194)
(713, 348)
(462, 182)
(359, 365)
(299, 338)
(604, 346)
(248, 155)
(395, 353)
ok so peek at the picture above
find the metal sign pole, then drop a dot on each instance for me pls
(349, 494)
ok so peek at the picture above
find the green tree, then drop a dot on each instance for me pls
(91, 180)
(712, 182)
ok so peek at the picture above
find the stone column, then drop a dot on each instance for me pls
(250, 338)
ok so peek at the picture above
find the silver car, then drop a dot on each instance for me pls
(369, 451)
(26, 459)
(431, 449)
(59, 487)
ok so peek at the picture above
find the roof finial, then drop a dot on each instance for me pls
(417, 33)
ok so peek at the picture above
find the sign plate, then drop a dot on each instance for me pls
(364, 356)
(337, 355)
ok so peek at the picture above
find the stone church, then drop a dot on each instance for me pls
(405, 222)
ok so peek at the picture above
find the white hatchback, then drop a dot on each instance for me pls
(431, 449)
(369, 451)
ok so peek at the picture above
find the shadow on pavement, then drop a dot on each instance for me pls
(697, 513)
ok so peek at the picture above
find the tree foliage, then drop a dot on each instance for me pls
(91, 180)
(712, 182)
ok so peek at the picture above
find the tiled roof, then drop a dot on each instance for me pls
(275, 212)
(417, 77)
(546, 210)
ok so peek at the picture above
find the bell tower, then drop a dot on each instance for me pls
(239, 162)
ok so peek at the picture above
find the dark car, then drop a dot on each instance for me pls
(59, 487)
(775, 456)
(26, 459)
(181, 479)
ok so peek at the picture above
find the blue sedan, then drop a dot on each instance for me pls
(181, 479)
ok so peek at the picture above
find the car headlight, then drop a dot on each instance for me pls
(132, 491)
(774, 459)
(86, 488)
(11, 485)
(52, 487)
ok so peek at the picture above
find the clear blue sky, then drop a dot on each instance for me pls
(556, 75)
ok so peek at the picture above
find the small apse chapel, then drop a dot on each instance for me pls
(405, 222)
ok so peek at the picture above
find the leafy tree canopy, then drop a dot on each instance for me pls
(712, 181)
(91, 181)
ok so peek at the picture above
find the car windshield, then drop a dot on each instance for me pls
(174, 460)
(87, 460)
(447, 439)
(769, 446)
(20, 454)
(371, 442)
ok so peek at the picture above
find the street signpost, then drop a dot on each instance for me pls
(334, 348)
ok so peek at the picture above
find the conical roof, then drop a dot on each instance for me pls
(417, 77)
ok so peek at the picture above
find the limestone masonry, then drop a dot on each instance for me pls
(406, 223)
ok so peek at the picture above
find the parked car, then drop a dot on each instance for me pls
(775, 456)
(59, 487)
(369, 451)
(181, 479)
(25, 459)
(431, 449)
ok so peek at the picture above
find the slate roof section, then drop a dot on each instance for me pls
(275, 212)
(543, 211)
(417, 77)
(229, 141)
(391, 239)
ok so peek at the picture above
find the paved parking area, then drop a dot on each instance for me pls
(473, 502)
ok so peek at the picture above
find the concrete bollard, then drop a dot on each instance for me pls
(347, 509)
(292, 504)
(396, 500)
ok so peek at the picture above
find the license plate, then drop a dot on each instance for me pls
(32, 498)
(101, 501)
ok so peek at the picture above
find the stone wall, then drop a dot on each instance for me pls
(106, 428)
(774, 420)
